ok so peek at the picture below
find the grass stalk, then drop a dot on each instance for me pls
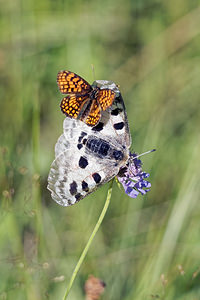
(96, 228)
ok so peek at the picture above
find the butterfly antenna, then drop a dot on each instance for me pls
(144, 153)
(93, 71)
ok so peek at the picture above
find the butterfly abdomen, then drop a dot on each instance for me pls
(98, 146)
(103, 149)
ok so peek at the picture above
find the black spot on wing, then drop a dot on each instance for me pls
(98, 127)
(83, 162)
(69, 202)
(79, 146)
(81, 136)
(78, 196)
(115, 112)
(85, 186)
(96, 177)
(119, 125)
(73, 188)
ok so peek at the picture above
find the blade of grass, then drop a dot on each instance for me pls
(83, 254)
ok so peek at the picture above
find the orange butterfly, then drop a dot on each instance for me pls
(83, 101)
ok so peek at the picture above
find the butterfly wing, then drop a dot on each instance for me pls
(72, 105)
(92, 117)
(87, 157)
(114, 123)
(75, 173)
(114, 120)
(71, 83)
(105, 98)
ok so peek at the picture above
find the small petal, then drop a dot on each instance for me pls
(132, 177)
(132, 193)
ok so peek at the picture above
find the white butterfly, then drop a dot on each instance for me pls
(87, 157)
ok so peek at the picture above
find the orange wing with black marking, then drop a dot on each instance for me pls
(71, 83)
(105, 97)
(94, 114)
(72, 105)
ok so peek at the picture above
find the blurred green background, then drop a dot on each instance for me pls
(149, 247)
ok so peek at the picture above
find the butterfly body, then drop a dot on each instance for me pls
(84, 101)
(87, 157)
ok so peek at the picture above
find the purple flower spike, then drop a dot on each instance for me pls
(132, 177)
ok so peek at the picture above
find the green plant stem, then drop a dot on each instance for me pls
(83, 254)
